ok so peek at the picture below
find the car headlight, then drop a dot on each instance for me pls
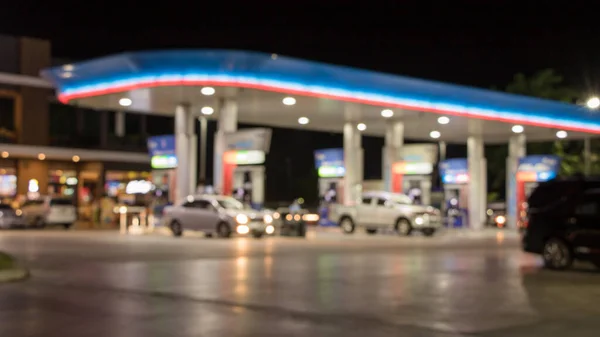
(276, 215)
(500, 219)
(268, 219)
(242, 219)
(419, 220)
(242, 229)
(19, 212)
(269, 229)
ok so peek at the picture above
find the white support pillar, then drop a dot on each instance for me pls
(517, 148)
(120, 124)
(477, 182)
(182, 151)
(392, 151)
(353, 157)
(257, 176)
(227, 123)
(193, 150)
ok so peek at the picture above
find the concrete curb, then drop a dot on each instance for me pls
(13, 275)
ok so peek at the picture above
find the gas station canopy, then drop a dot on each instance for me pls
(279, 91)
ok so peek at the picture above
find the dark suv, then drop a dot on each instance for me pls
(564, 222)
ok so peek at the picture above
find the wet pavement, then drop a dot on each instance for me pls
(89, 283)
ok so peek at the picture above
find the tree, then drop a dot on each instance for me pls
(546, 84)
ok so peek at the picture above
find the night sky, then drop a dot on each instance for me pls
(466, 42)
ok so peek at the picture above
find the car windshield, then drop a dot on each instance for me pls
(230, 203)
(401, 199)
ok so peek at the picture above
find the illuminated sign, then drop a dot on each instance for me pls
(454, 171)
(331, 171)
(138, 187)
(408, 168)
(244, 157)
(330, 163)
(538, 168)
(163, 161)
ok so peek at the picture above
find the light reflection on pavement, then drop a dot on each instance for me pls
(102, 284)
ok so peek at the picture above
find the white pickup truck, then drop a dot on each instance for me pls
(387, 210)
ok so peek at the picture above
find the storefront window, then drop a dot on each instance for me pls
(62, 183)
(8, 182)
(126, 186)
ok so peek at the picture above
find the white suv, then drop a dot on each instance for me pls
(49, 211)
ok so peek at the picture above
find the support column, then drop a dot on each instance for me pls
(193, 153)
(392, 151)
(227, 123)
(517, 148)
(203, 147)
(182, 151)
(120, 123)
(353, 163)
(477, 182)
(257, 176)
(587, 156)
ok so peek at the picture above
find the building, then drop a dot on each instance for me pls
(50, 148)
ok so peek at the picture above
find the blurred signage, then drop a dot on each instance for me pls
(162, 152)
(420, 153)
(256, 139)
(331, 171)
(410, 168)
(454, 171)
(138, 187)
(161, 145)
(538, 168)
(253, 157)
(330, 163)
(163, 162)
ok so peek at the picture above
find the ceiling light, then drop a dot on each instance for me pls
(66, 74)
(41, 156)
(387, 113)
(303, 120)
(125, 102)
(68, 67)
(561, 134)
(517, 128)
(593, 102)
(361, 126)
(76, 159)
(435, 134)
(207, 110)
(4, 154)
(207, 91)
(289, 101)
(274, 56)
(443, 120)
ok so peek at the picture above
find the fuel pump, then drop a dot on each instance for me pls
(455, 179)
(331, 170)
(531, 171)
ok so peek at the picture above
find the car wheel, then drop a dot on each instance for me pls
(257, 235)
(223, 230)
(176, 229)
(39, 223)
(557, 254)
(371, 231)
(403, 227)
(68, 225)
(428, 231)
(347, 225)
